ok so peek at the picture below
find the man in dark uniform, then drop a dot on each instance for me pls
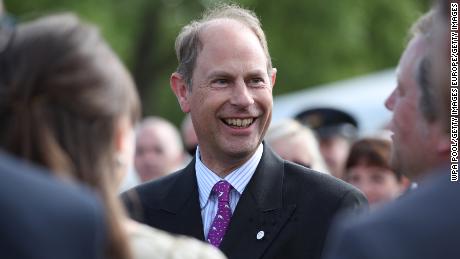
(336, 130)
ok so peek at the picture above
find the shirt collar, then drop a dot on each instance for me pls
(238, 178)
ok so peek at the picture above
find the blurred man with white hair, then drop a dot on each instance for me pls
(159, 149)
(424, 223)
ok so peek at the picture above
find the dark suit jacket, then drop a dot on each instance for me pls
(291, 204)
(43, 218)
(424, 224)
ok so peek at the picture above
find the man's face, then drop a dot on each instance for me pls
(231, 97)
(155, 156)
(378, 184)
(412, 134)
(335, 151)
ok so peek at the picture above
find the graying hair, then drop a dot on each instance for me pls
(188, 44)
(424, 27)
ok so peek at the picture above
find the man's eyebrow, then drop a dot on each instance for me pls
(256, 72)
(218, 73)
(222, 73)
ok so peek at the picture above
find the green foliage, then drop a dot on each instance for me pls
(311, 42)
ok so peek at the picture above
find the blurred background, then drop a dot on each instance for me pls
(312, 43)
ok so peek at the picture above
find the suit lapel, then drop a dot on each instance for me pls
(260, 214)
(182, 203)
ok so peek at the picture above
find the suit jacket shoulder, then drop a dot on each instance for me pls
(150, 195)
(169, 203)
(423, 224)
(323, 188)
(45, 218)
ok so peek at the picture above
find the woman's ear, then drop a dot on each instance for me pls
(124, 141)
(124, 144)
(122, 130)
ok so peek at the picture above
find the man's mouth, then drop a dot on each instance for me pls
(239, 123)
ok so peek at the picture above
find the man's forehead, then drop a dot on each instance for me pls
(218, 28)
(220, 23)
(414, 52)
(224, 34)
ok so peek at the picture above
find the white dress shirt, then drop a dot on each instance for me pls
(206, 180)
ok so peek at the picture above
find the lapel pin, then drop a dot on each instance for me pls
(260, 235)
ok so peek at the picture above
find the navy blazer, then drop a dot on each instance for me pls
(424, 224)
(291, 204)
(42, 217)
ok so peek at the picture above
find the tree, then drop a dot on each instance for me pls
(311, 42)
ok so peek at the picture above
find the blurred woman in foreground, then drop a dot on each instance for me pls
(68, 104)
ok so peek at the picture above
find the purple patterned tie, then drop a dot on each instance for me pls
(224, 213)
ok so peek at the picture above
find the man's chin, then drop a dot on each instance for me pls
(242, 151)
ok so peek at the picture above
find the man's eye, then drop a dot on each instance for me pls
(220, 82)
(257, 82)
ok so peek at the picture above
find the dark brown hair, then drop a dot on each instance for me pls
(62, 93)
(370, 152)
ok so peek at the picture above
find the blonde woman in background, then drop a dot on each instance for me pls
(296, 143)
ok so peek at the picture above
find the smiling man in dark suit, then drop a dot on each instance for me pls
(236, 193)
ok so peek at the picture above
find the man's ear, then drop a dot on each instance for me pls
(180, 89)
(404, 184)
(443, 145)
(273, 76)
(440, 140)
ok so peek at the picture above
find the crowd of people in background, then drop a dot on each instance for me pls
(227, 183)
(361, 161)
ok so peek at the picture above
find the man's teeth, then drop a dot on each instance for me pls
(239, 122)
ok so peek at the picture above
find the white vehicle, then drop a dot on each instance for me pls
(362, 97)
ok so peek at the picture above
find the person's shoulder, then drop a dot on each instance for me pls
(378, 233)
(39, 184)
(314, 181)
(157, 187)
(409, 227)
(306, 186)
(147, 241)
(50, 205)
(415, 208)
(151, 194)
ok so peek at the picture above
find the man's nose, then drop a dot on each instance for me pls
(241, 95)
(389, 102)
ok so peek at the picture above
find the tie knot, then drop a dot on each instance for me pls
(222, 189)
